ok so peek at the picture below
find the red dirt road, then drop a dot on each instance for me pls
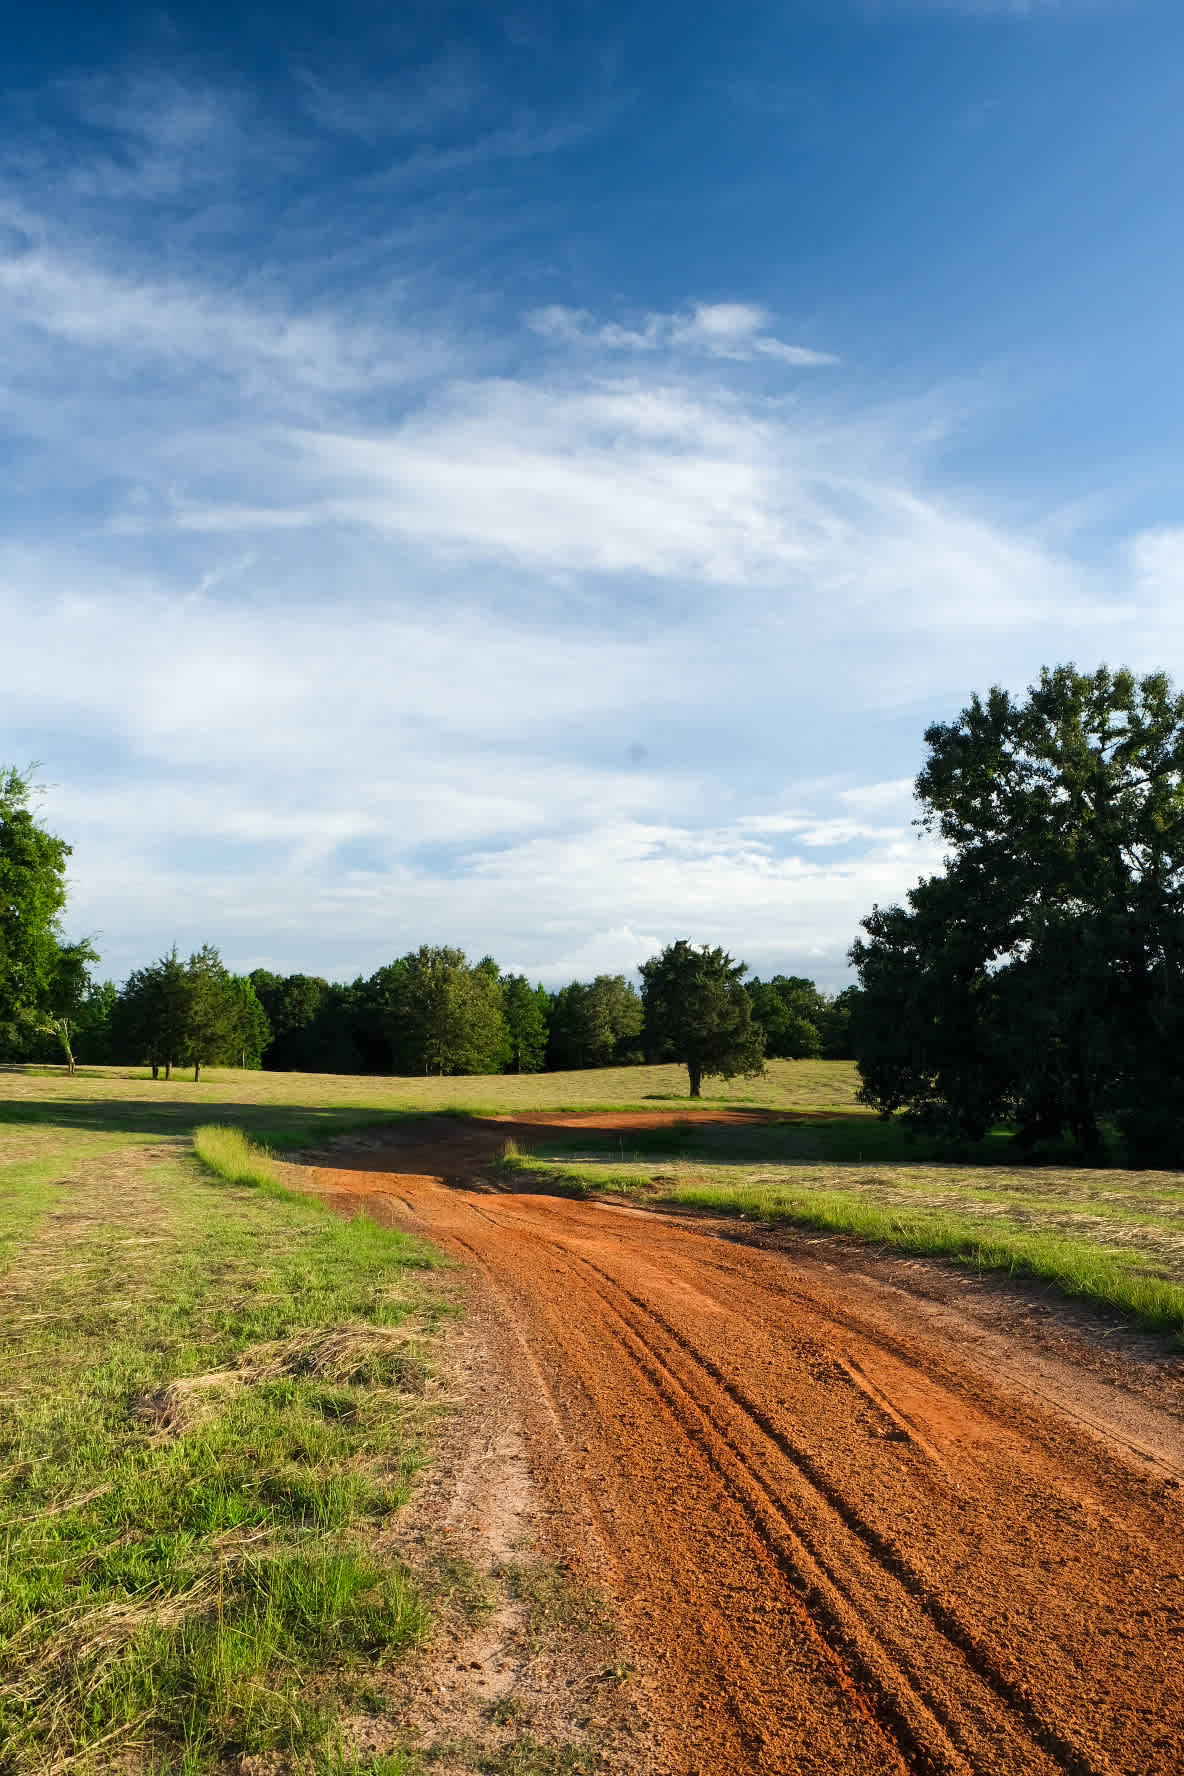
(847, 1530)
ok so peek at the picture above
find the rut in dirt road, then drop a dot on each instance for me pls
(840, 1544)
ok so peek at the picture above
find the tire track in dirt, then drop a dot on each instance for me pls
(903, 1354)
(837, 1544)
(843, 1593)
(745, 1678)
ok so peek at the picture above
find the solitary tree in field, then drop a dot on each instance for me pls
(1040, 977)
(697, 1012)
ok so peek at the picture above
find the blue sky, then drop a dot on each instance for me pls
(526, 477)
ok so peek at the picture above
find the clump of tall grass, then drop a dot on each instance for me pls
(228, 1153)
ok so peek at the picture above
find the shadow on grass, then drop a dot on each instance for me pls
(273, 1125)
(809, 1138)
(749, 1137)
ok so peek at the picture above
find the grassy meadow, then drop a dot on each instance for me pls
(211, 1402)
(294, 1108)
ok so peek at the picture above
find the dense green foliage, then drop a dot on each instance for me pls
(193, 1013)
(42, 979)
(1037, 980)
(433, 1012)
(525, 1010)
(595, 1024)
(800, 1022)
(429, 1012)
(697, 1012)
(442, 1013)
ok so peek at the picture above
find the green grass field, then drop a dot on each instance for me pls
(296, 1107)
(211, 1397)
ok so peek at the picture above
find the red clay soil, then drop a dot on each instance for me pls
(843, 1534)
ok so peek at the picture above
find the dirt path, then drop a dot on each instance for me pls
(849, 1530)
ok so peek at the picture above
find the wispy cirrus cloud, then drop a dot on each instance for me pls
(68, 298)
(735, 330)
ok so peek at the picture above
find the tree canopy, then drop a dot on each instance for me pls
(68, 995)
(443, 1013)
(595, 1023)
(1038, 978)
(32, 898)
(194, 1013)
(525, 1011)
(789, 1009)
(697, 1012)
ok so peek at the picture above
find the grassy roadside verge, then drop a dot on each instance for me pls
(1114, 1238)
(211, 1400)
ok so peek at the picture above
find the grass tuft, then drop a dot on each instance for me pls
(228, 1153)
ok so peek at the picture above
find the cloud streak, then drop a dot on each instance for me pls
(732, 330)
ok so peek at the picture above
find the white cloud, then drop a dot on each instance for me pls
(330, 789)
(680, 482)
(245, 336)
(735, 330)
(1157, 561)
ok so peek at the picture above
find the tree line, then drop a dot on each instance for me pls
(431, 1011)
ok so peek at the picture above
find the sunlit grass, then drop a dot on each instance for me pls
(211, 1399)
(279, 1106)
(229, 1154)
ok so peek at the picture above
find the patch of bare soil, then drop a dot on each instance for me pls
(853, 1516)
(527, 1670)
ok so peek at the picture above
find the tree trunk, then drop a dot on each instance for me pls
(168, 1069)
(696, 1073)
(196, 1071)
(155, 1069)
